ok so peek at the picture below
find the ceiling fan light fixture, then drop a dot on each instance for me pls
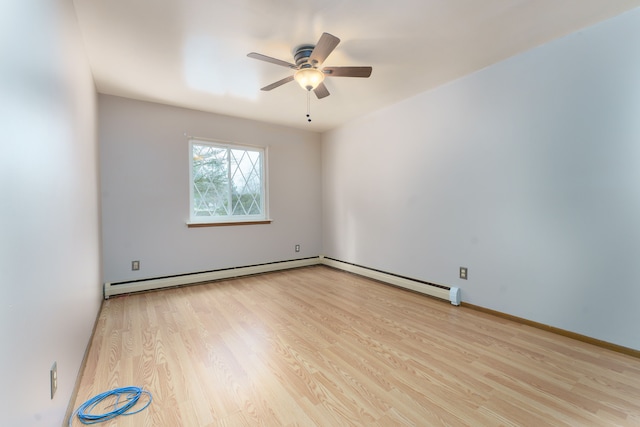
(309, 78)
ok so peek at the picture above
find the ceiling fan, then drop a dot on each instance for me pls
(308, 60)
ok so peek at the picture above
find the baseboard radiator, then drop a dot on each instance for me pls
(451, 294)
(112, 289)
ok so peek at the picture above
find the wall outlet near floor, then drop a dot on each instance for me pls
(463, 273)
(297, 248)
(135, 265)
(53, 376)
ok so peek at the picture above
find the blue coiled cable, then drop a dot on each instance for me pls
(131, 396)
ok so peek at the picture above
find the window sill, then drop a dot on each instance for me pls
(225, 224)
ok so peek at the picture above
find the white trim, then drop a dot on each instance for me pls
(414, 285)
(451, 294)
(111, 289)
(245, 220)
(223, 143)
(265, 181)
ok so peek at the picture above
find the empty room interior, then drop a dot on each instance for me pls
(337, 212)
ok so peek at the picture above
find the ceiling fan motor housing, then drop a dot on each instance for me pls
(301, 54)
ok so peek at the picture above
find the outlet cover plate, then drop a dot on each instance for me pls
(463, 273)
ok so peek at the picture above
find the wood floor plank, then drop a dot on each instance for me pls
(320, 347)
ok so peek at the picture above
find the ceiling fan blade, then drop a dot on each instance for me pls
(278, 83)
(266, 58)
(321, 91)
(347, 71)
(323, 48)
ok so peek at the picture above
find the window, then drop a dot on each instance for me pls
(227, 183)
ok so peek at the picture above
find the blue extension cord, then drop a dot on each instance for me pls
(131, 394)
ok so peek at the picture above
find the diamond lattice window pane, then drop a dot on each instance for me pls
(226, 181)
(246, 179)
(211, 193)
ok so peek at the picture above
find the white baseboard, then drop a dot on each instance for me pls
(111, 289)
(451, 294)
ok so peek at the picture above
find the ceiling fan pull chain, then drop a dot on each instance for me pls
(309, 106)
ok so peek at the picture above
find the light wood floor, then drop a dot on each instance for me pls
(320, 347)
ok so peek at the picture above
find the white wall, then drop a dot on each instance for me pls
(144, 156)
(527, 172)
(49, 216)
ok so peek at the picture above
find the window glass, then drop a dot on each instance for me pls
(227, 182)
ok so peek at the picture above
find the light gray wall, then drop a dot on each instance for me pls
(527, 173)
(49, 216)
(144, 157)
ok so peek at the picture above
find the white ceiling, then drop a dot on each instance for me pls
(192, 53)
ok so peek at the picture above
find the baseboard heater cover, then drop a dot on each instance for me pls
(451, 294)
(120, 288)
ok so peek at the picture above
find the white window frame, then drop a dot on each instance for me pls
(203, 221)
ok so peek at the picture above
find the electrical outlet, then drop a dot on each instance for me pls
(135, 265)
(297, 248)
(53, 376)
(463, 273)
